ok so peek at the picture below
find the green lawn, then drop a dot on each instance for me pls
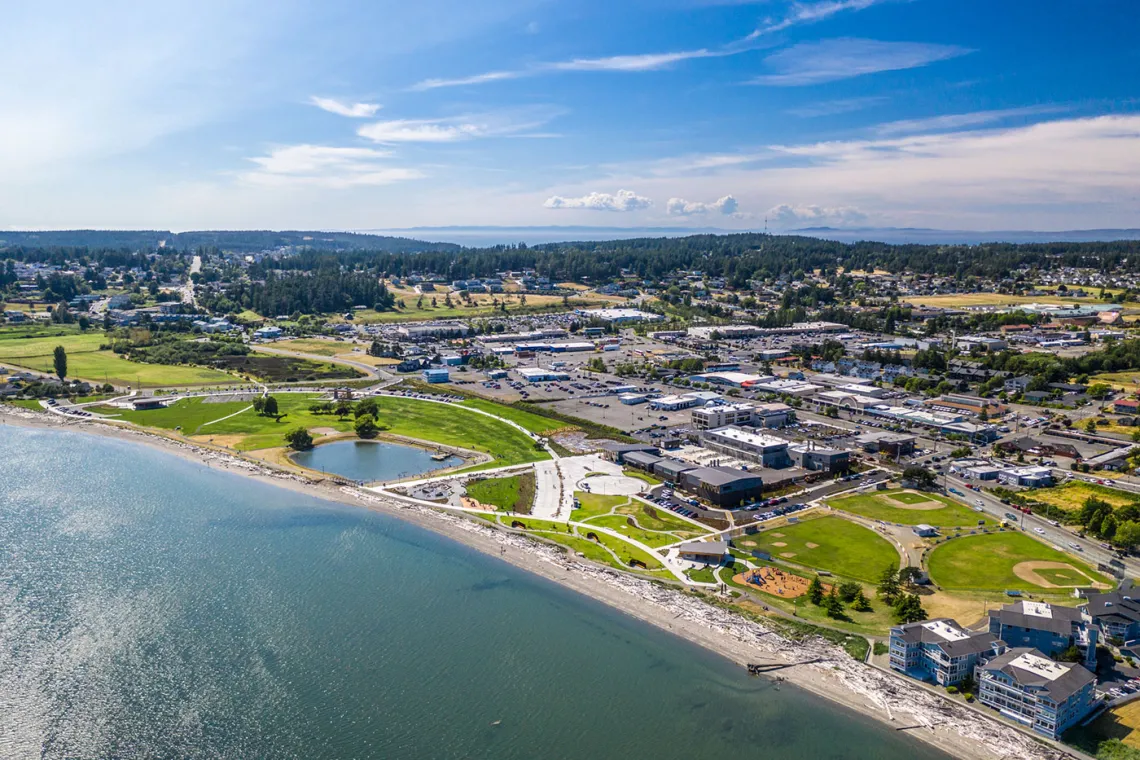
(32, 347)
(891, 506)
(535, 423)
(424, 420)
(510, 494)
(25, 403)
(985, 562)
(593, 550)
(839, 546)
(596, 504)
(640, 475)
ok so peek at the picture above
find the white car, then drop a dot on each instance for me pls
(1039, 531)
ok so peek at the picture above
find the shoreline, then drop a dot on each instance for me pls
(814, 665)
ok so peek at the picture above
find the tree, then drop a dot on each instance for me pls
(832, 605)
(259, 404)
(299, 439)
(343, 408)
(1071, 654)
(908, 609)
(1090, 426)
(366, 426)
(59, 361)
(848, 590)
(815, 591)
(1114, 749)
(367, 407)
(921, 477)
(908, 576)
(889, 587)
(270, 409)
(861, 603)
(1127, 534)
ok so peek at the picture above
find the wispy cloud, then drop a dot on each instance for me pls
(726, 205)
(787, 215)
(622, 200)
(340, 108)
(810, 13)
(959, 120)
(838, 106)
(844, 58)
(326, 166)
(517, 123)
(627, 63)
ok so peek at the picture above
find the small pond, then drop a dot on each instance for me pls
(372, 460)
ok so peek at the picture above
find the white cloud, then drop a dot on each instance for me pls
(953, 121)
(809, 13)
(326, 166)
(490, 76)
(785, 215)
(843, 58)
(838, 106)
(680, 207)
(623, 200)
(517, 122)
(340, 108)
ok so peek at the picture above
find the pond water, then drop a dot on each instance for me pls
(372, 460)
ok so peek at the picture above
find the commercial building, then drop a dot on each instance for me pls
(719, 415)
(622, 316)
(939, 651)
(643, 460)
(725, 332)
(631, 399)
(722, 486)
(673, 403)
(766, 450)
(270, 332)
(817, 459)
(786, 387)
(433, 330)
(1030, 477)
(1025, 685)
(1046, 627)
(968, 342)
(541, 375)
(772, 415)
(440, 375)
(731, 379)
(891, 444)
(616, 451)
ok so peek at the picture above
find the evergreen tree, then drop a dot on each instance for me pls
(889, 586)
(59, 362)
(908, 609)
(833, 606)
(815, 591)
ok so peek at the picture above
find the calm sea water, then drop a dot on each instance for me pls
(154, 608)
(371, 460)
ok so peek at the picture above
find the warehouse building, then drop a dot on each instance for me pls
(722, 486)
(753, 447)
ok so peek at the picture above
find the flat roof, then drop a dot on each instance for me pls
(745, 436)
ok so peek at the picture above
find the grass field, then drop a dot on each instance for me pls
(651, 526)
(829, 543)
(535, 423)
(1121, 723)
(510, 494)
(439, 423)
(1128, 381)
(32, 347)
(898, 506)
(1072, 495)
(312, 346)
(990, 299)
(988, 562)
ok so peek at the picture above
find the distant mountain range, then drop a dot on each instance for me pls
(417, 239)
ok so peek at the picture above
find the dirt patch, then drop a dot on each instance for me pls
(777, 582)
(776, 535)
(922, 506)
(778, 543)
(810, 545)
(747, 543)
(324, 431)
(1027, 571)
(219, 440)
(787, 555)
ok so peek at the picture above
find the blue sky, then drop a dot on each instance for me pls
(955, 114)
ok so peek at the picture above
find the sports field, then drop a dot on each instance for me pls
(1073, 495)
(32, 348)
(1007, 560)
(909, 508)
(828, 543)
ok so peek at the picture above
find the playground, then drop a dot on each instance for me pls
(777, 582)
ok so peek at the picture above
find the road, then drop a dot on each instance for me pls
(188, 296)
(1091, 551)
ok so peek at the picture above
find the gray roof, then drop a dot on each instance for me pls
(1114, 606)
(673, 466)
(617, 447)
(643, 458)
(974, 643)
(1073, 679)
(704, 547)
(1061, 621)
(720, 476)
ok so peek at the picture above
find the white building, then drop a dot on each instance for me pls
(715, 416)
(622, 316)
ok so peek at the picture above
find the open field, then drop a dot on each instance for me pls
(312, 346)
(958, 300)
(1121, 723)
(1073, 495)
(514, 493)
(423, 420)
(1006, 560)
(650, 526)
(481, 306)
(1128, 381)
(828, 543)
(535, 423)
(908, 508)
(32, 347)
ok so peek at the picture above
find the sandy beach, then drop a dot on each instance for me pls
(815, 665)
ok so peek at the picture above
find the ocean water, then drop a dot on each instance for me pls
(371, 460)
(152, 607)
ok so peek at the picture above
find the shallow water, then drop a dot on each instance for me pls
(371, 460)
(151, 607)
